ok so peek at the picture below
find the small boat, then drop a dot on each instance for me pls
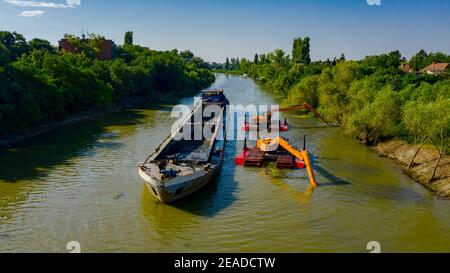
(247, 127)
(179, 168)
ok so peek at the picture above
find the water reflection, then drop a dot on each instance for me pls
(24, 168)
(280, 179)
(32, 159)
(332, 179)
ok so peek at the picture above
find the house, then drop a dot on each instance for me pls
(406, 68)
(105, 47)
(435, 68)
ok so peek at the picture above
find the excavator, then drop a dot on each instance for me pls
(275, 149)
(278, 149)
(284, 126)
(305, 106)
(272, 145)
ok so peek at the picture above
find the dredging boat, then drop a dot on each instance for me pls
(266, 119)
(180, 166)
(279, 150)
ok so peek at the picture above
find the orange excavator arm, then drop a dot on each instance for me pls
(309, 168)
(301, 155)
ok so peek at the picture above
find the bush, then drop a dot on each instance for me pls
(377, 120)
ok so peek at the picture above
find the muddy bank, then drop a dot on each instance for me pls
(402, 153)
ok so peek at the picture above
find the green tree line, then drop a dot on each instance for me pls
(372, 99)
(40, 83)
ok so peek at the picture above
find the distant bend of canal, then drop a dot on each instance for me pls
(80, 183)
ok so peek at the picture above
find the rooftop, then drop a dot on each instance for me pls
(435, 67)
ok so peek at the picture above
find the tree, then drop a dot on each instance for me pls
(415, 118)
(279, 57)
(378, 119)
(418, 61)
(4, 54)
(244, 65)
(15, 43)
(297, 50)
(39, 44)
(305, 91)
(42, 85)
(334, 84)
(440, 130)
(301, 50)
(256, 59)
(232, 63)
(187, 56)
(429, 122)
(227, 64)
(262, 59)
(392, 60)
(306, 51)
(128, 40)
(438, 57)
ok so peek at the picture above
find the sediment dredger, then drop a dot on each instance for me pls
(266, 118)
(279, 150)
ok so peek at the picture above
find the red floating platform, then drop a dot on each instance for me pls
(284, 127)
(255, 157)
(240, 159)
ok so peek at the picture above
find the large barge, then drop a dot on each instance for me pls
(180, 166)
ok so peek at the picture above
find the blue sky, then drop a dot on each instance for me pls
(216, 29)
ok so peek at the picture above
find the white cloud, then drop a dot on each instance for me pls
(74, 2)
(32, 13)
(37, 4)
(40, 4)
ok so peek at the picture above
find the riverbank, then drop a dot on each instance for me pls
(45, 128)
(90, 115)
(402, 153)
(230, 72)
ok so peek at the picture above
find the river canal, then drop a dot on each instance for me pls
(80, 183)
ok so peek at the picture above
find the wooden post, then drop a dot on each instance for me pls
(304, 143)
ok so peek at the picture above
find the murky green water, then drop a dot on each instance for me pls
(80, 183)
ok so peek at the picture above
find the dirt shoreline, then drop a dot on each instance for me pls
(402, 153)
